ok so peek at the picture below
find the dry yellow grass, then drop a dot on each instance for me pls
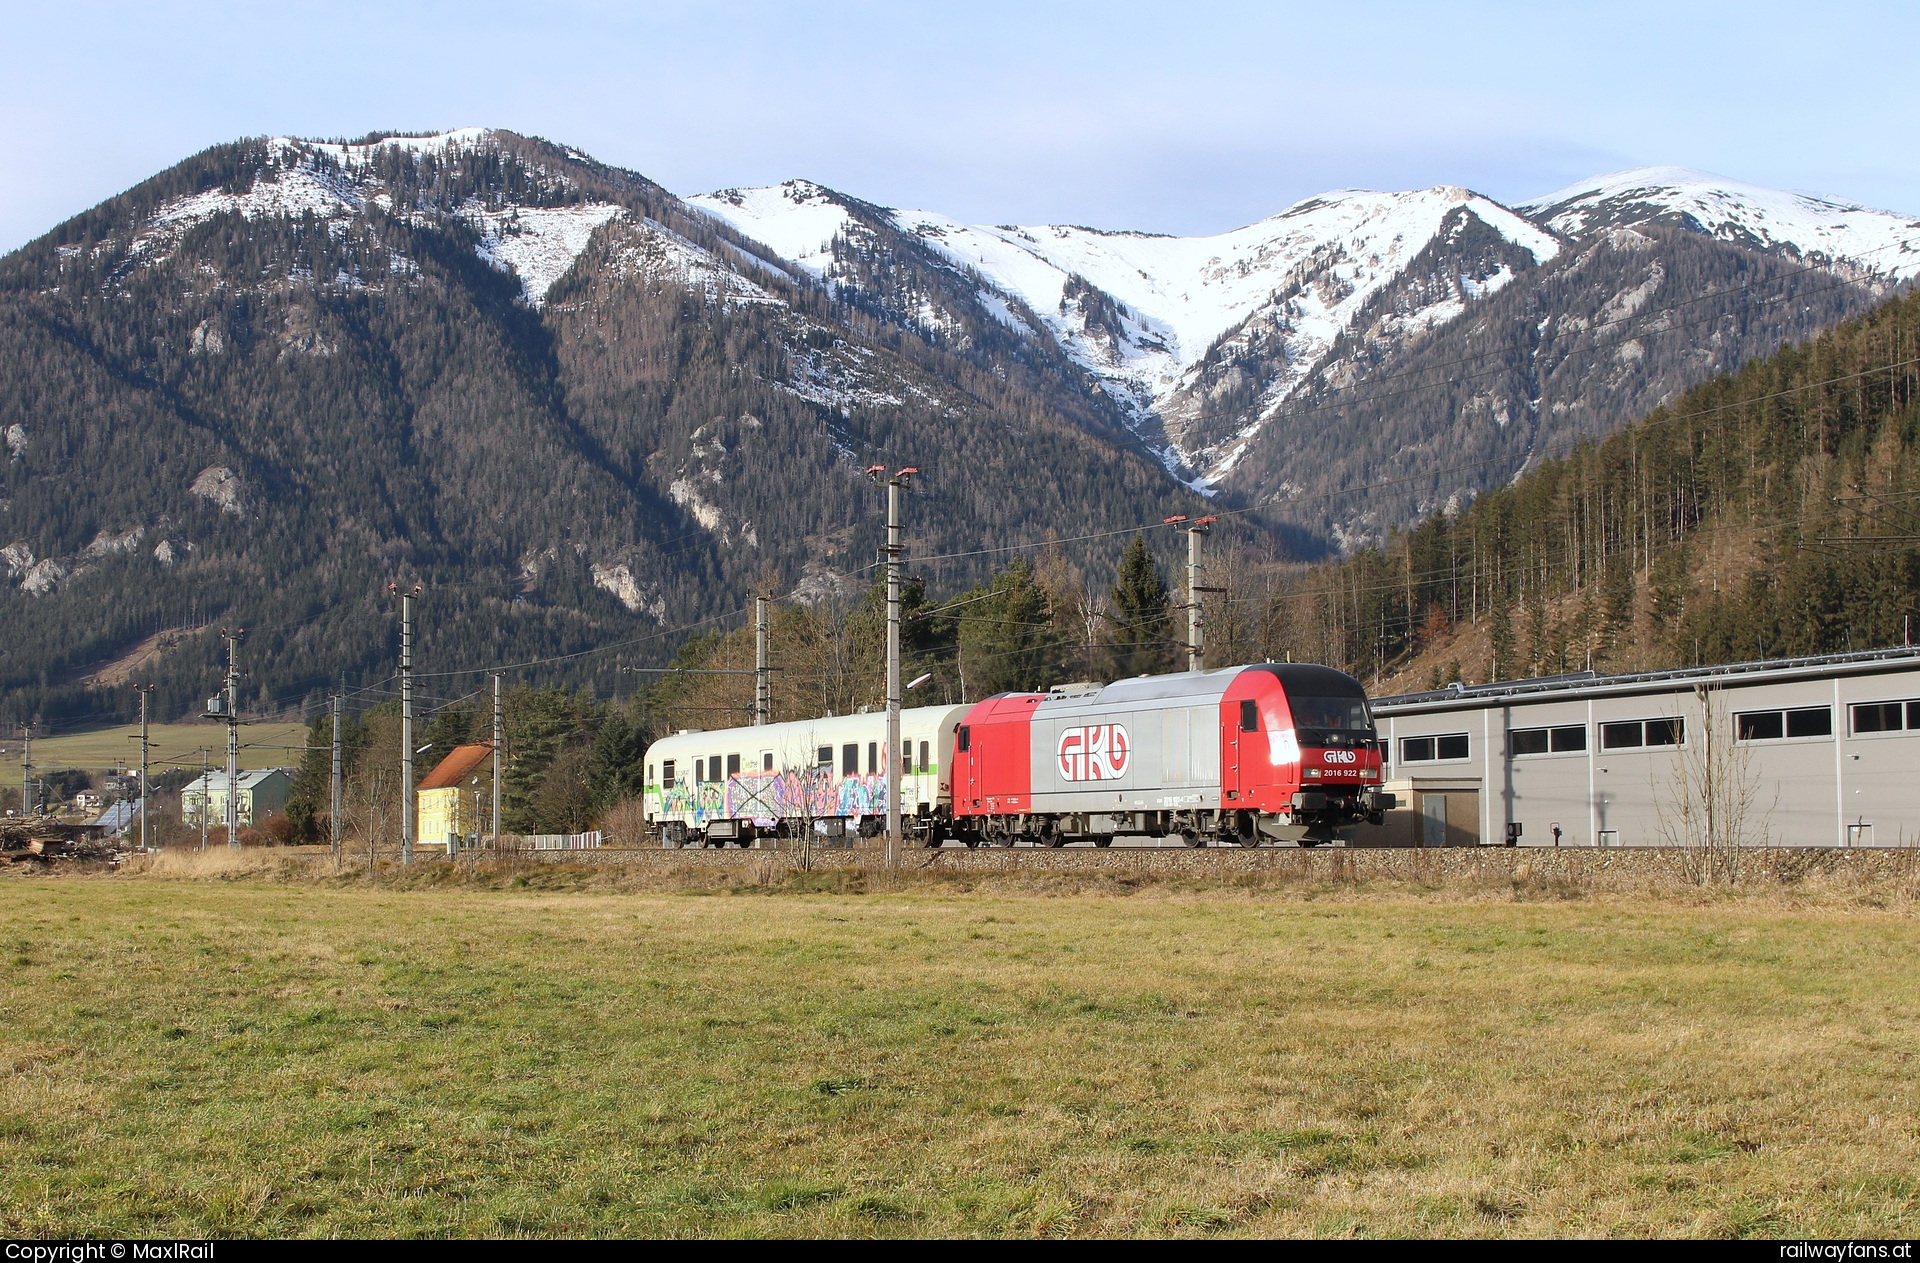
(334, 1056)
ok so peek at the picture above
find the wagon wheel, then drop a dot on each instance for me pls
(1192, 838)
(1105, 839)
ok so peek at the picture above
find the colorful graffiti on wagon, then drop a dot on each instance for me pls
(815, 793)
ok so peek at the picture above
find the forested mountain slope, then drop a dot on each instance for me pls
(259, 387)
(1770, 512)
(587, 415)
(1362, 357)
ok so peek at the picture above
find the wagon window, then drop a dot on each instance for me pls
(873, 757)
(666, 774)
(766, 760)
(850, 759)
(926, 764)
(823, 757)
(699, 771)
(733, 765)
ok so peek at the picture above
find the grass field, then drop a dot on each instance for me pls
(187, 1057)
(172, 745)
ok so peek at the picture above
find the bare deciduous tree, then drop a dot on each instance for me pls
(1709, 809)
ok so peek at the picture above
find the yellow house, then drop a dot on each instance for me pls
(445, 800)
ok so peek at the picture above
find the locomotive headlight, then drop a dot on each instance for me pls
(1283, 748)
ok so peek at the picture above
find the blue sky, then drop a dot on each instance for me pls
(1172, 117)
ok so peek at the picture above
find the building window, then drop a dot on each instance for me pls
(1778, 725)
(733, 765)
(1444, 748)
(1632, 734)
(850, 759)
(666, 774)
(1886, 717)
(926, 764)
(1567, 740)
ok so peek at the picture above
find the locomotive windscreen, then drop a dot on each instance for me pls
(1329, 707)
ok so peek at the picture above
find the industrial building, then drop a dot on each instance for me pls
(260, 794)
(1813, 751)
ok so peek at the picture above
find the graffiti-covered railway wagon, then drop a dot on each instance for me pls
(826, 776)
(1245, 755)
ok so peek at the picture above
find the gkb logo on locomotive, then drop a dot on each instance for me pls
(1098, 752)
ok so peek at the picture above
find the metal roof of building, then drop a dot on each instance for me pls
(244, 782)
(1591, 684)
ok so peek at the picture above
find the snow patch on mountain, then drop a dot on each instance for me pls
(797, 220)
(291, 194)
(538, 244)
(1812, 228)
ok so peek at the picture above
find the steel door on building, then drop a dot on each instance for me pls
(1433, 820)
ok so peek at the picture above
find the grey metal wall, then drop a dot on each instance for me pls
(1842, 788)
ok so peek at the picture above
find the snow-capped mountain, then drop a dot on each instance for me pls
(264, 382)
(1203, 341)
(1872, 242)
(1142, 313)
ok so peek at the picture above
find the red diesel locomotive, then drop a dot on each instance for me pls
(1274, 752)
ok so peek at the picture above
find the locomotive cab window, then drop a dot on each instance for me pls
(1249, 716)
(964, 743)
(1332, 721)
(1448, 746)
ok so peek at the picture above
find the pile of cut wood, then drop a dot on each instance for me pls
(43, 840)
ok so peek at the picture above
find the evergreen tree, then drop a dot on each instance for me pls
(1007, 642)
(1140, 623)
